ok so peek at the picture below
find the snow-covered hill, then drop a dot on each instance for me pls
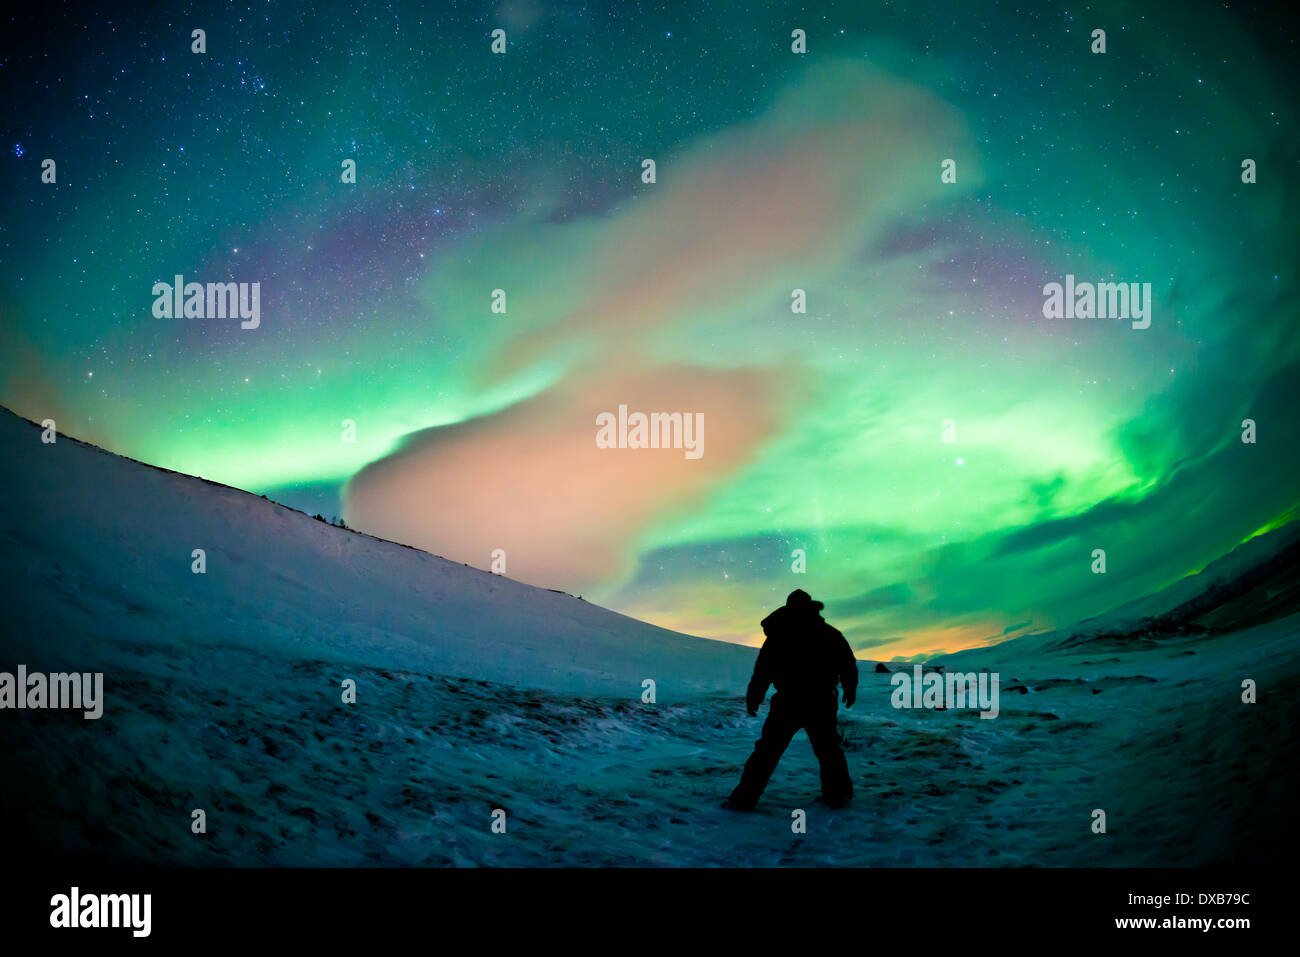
(105, 547)
(1255, 584)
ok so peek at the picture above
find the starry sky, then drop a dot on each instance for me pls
(775, 171)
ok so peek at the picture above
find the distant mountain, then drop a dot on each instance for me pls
(1257, 582)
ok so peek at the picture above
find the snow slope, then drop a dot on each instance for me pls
(111, 539)
(475, 692)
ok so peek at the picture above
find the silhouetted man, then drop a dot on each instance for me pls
(804, 657)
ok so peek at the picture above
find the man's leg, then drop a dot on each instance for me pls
(777, 732)
(824, 734)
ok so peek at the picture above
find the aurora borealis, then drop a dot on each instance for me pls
(775, 171)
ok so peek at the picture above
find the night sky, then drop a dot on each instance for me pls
(775, 171)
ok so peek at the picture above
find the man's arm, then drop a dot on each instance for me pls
(848, 670)
(757, 690)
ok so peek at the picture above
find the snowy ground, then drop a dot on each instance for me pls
(475, 693)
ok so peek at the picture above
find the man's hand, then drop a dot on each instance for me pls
(849, 698)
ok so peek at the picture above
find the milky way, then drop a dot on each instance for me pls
(939, 459)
